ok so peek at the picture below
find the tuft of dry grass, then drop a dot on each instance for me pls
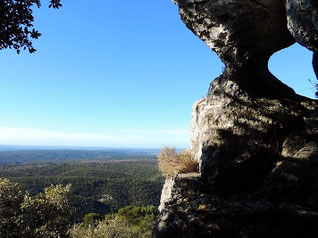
(172, 163)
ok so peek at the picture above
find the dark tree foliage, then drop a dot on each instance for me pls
(16, 23)
(45, 215)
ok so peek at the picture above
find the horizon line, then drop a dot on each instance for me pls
(62, 147)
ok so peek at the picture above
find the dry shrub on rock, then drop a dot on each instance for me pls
(172, 163)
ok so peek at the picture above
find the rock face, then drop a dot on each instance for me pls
(240, 32)
(302, 18)
(256, 141)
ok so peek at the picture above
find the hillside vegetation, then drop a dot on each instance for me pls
(47, 215)
(97, 187)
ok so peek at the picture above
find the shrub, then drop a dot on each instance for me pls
(42, 216)
(171, 163)
(128, 222)
(91, 219)
(114, 228)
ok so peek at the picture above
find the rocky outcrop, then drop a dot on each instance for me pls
(259, 169)
(238, 138)
(240, 32)
(302, 18)
(256, 140)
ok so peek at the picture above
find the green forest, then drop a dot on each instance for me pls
(96, 186)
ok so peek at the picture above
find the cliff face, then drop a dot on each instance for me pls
(255, 139)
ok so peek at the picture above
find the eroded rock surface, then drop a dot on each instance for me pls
(240, 32)
(256, 140)
(259, 169)
(302, 18)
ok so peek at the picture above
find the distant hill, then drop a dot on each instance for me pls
(30, 154)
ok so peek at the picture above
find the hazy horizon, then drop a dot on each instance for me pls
(7, 147)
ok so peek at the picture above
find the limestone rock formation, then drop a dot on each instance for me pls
(256, 140)
(302, 18)
(259, 169)
(240, 32)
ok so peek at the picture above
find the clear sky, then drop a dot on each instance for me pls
(115, 74)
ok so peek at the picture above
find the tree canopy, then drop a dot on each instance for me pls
(45, 215)
(16, 23)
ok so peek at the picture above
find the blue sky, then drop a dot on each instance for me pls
(116, 74)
